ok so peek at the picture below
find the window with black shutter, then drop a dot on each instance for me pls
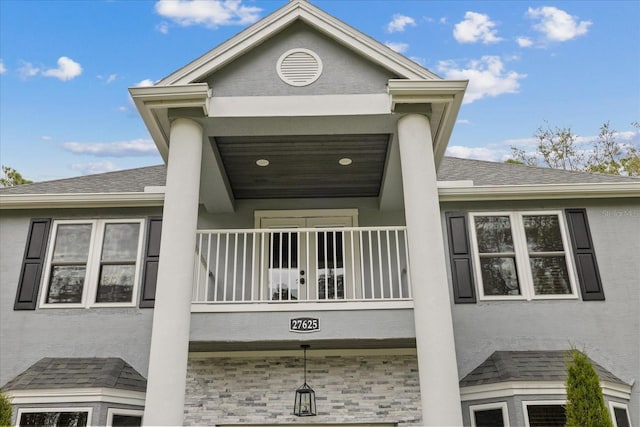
(32, 264)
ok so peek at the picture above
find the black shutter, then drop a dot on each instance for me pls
(460, 258)
(31, 272)
(584, 255)
(150, 267)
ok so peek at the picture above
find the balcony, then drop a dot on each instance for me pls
(301, 268)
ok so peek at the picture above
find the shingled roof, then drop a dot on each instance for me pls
(125, 181)
(79, 372)
(451, 169)
(494, 173)
(503, 366)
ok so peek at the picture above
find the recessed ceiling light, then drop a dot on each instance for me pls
(262, 162)
(345, 161)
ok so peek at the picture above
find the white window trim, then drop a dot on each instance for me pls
(612, 406)
(88, 410)
(523, 269)
(527, 403)
(488, 406)
(117, 411)
(90, 287)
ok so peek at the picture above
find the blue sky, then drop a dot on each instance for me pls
(66, 66)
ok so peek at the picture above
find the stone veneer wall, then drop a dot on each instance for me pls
(261, 390)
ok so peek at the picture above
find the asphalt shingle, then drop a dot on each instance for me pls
(547, 365)
(79, 372)
(451, 169)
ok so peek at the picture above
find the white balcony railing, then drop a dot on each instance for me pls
(289, 265)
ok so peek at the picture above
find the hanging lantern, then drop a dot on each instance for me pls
(305, 402)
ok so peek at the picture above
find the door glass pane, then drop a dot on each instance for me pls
(283, 266)
(54, 419)
(120, 242)
(489, 418)
(499, 276)
(494, 234)
(546, 415)
(543, 233)
(116, 283)
(66, 284)
(72, 243)
(330, 265)
(550, 275)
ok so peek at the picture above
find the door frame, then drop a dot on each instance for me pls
(322, 217)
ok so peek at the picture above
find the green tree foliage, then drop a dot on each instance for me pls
(560, 148)
(5, 411)
(585, 402)
(12, 177)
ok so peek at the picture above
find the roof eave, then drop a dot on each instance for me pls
(153, 103)
(450, 93)
(609, 190)
(80, 200)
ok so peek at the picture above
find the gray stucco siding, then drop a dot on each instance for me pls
(29, 335)
(609, 330)
(255, 74)
(335, 325)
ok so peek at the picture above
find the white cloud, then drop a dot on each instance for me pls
(27, 70)
(556, 24)
(163, 28)
(210, 13)
(398, 47)
(399, 23)
(443, 20)
(93, 168)
(2, 68)
(111, 78)
(524, 42)
(487, 77)
(45, 138)
(135, 147)
(476, 27)
(144, 83)
(478, 153)
(463, 122)
(67, 69)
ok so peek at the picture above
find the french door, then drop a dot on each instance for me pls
(309, 258)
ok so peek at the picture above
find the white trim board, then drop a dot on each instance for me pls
(84, 395)
(518, 388)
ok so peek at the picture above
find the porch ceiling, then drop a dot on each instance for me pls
(303, 166)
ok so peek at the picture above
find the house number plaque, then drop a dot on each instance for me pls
(304, 324)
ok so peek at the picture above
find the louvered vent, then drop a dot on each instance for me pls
(299, 67)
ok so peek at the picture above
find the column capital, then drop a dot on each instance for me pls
(439, 99)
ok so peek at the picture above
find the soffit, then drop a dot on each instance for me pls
(305, 166)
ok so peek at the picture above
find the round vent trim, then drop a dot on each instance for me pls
(299, 67)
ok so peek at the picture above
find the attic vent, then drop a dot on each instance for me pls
(299, 67)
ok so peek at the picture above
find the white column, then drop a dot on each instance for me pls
(172, 312)
(439, 390)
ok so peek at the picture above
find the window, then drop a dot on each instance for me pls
(93, 263)
(54, 417)
(544, 414)
(489, 415)
(619, 414)
(124, 417)
(522, 255)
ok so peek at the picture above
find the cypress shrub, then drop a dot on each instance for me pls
(5, 411)
(585, 402)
